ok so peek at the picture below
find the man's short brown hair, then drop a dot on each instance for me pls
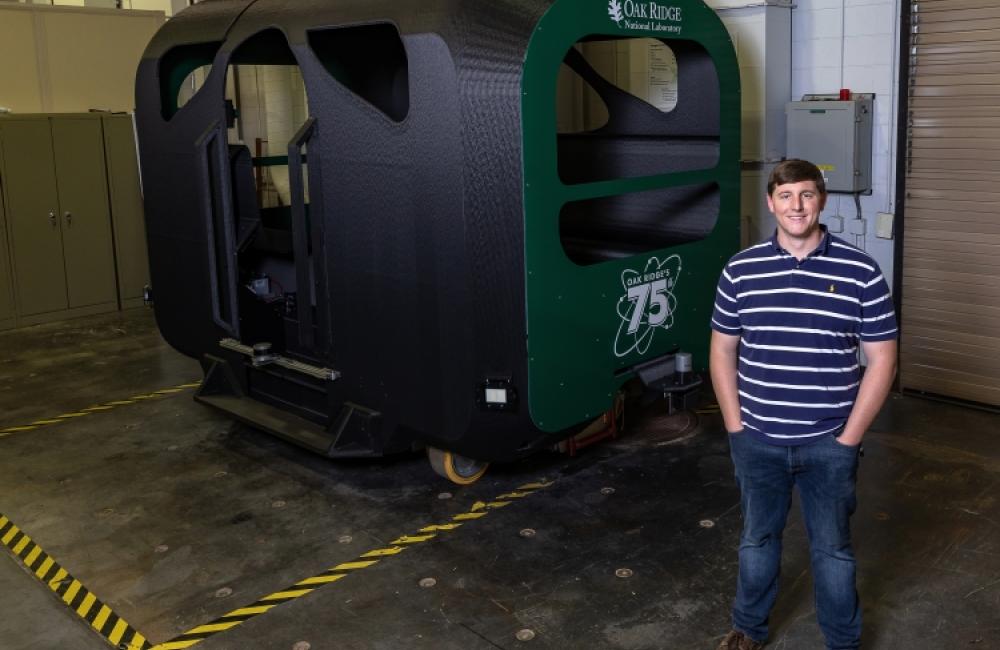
(795, 171)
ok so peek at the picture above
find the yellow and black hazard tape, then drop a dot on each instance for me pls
(97, 408)
(305, 587)
(87, 606)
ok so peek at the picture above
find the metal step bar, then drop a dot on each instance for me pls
(260, 355)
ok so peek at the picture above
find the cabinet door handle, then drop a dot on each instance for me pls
(52, 218)
(69, 219)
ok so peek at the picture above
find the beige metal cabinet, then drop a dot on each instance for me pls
(32, 203)
(59, 217)
(127, 216)
(85, 214)
(7, 311)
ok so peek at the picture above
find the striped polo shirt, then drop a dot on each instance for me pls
(800, 324)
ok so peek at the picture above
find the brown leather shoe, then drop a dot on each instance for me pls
(736, 640)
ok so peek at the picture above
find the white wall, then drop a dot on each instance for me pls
(68, 59)
(149, 5)
(166, 6)
(854, 44)
(834, 44)
(762, 39)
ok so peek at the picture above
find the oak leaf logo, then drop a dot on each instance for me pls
(615, 11)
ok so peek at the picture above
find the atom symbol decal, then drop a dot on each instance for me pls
(648, 304)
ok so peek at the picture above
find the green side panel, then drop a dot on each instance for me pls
(272, 161)
(175, 66)
(582, 339)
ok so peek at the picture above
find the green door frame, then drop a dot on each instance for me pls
(579, 352)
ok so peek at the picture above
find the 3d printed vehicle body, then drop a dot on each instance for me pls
(449, 270)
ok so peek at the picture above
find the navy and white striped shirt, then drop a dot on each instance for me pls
(800, 324)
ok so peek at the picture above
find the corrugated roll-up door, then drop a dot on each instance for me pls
(951, 246)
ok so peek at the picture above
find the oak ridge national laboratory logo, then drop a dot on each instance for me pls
(615, 11)
(649, 16)
(648, 304)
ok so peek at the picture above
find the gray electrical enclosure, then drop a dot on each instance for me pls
(836, 136)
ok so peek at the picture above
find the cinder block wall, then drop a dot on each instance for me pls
(854, 44)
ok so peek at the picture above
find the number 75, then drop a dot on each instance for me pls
(654, 293)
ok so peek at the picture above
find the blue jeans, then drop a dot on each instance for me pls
(825, 472)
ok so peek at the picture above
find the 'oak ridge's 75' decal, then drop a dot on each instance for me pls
(648, 304)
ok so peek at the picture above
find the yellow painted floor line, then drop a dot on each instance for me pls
(97, 408)
(370, 558)
(122, 636)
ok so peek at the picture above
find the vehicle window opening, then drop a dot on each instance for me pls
(632, 108)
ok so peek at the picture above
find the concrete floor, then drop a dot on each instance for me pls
(174, 516)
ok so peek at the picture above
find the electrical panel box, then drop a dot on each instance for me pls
(836, 136)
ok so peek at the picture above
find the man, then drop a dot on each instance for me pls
(790, 314)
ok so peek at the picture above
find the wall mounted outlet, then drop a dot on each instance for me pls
(883, 224)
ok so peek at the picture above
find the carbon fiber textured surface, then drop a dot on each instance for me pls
(421, 219)
(407, 269)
